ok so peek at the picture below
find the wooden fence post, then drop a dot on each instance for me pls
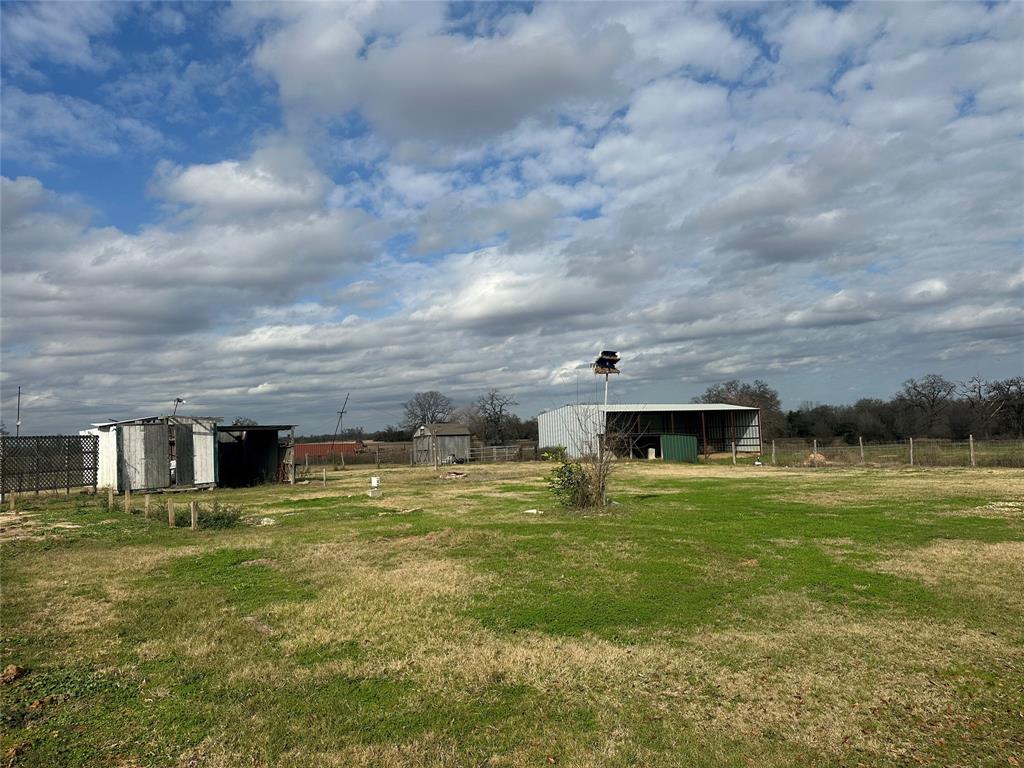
(325, 477)
(734, 452)
(911, 451)
(814, 453)
(12, 494)
(773, 451)
(110, 497)
(147, 506)
(861, 441)
(170, 513)
(194, 512)
(971, 440)
(127, 500)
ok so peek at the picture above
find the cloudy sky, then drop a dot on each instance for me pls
(261, 207)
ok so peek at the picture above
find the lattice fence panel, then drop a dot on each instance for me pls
(45, 462)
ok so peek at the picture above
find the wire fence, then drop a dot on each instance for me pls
(922, 452)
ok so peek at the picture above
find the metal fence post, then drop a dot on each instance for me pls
(970, 439)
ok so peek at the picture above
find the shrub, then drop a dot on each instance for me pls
(214, 516)
(573, 485)
(553, 453)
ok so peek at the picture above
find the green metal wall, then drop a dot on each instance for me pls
(679, 448)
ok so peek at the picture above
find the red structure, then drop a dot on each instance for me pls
(319, 452)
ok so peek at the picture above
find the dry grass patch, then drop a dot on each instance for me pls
(987, 571)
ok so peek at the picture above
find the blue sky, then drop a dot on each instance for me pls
(260, 207)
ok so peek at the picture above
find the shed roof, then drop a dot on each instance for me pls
(155, 419)
(620, 407)
(662, 407)
(441, 430)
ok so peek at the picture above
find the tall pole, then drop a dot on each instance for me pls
(17, 419)
(337, 428)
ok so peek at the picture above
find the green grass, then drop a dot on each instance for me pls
(715, 616)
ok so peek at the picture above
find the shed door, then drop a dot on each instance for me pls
(185, 472)
(144, 462)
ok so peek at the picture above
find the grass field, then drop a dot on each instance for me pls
(717, 616)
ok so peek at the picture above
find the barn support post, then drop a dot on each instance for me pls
(970, 439)
(732, 423)
(293, 457)
(704, 434)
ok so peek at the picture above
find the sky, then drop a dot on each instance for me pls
(261, 207)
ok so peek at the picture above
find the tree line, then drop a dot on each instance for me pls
(931, 406)
(489, 418)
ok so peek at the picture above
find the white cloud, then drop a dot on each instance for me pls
(273, 178)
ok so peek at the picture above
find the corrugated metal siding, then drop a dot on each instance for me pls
(574, 427)
(106, 470)
(679, 448)
(204, 453)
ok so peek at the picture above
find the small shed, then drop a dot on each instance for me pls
(254, 454)
(157, 452)
(448, 443)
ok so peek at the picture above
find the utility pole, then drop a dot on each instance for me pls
(17, 419)
(337, 428)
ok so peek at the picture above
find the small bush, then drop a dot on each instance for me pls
(553, 453)
(214, 516)
(573, 485)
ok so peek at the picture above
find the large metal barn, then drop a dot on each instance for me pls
(635, 428)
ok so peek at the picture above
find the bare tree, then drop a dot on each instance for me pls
(470, 416)
(1009, 394)
(426, 408)
(980, 399)
(929, 394)
(753, 395)
(494, 408)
